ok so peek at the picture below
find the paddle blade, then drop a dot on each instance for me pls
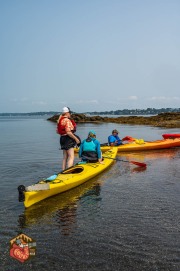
(138, 164)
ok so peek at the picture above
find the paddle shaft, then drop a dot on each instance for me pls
(133, 162)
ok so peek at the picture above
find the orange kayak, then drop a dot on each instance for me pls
(141, 145)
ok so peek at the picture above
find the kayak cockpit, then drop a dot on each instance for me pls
(73, 170)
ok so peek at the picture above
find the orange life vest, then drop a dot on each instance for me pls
(61, 128)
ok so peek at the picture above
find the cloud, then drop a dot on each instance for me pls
(16, 100)
(61, 102)
(26, 101)
(39, 103)
(133, 98)
(87, 102)
(163, 98)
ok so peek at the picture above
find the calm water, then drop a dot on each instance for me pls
(125, 219)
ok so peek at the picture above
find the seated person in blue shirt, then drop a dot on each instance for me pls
(114, 139)
(90, 150)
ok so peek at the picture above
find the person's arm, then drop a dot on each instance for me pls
(80, 150)
(68, 128)
(118, 141)
(99, 153)
(111, 140)
(70, 134)
(58, 124)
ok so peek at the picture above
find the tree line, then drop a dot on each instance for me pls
(148, 111)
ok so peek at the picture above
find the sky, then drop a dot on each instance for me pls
(90, 55)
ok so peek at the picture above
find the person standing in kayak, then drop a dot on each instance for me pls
(90, 150)
(114, 139)
(66, 127)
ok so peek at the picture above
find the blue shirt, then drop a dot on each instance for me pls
(96, 148)
(115, 140)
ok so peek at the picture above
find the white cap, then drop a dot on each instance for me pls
(65, 110)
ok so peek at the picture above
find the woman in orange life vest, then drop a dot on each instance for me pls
(66, 128)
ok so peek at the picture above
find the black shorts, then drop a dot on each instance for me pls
(89, 156)
(67, 142)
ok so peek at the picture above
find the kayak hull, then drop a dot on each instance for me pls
(67, 180)
(145, 146)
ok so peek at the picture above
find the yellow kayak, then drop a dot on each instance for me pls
(65, 180)
(141, 145)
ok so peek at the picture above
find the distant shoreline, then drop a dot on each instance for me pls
(163, 120)
(28, 114)
(123, 112)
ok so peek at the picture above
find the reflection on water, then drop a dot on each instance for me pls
(138, 169)
(151, 155)
(66, 218)
(61, 208)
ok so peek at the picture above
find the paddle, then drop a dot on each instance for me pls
(133, 162)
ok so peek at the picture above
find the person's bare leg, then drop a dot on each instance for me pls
(64, 162)
(70, 159)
